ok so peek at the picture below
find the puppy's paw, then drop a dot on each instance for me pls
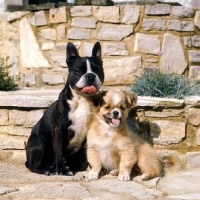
(124, 177)
(92, 175)
(145, 177)
(114, 172)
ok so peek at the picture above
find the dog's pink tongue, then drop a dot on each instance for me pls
(116, 122)
(89, 89)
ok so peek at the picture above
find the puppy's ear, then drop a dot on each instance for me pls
(71, 53)
(96, 51)
(131, 98)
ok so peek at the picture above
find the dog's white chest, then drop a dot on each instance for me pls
(79, 115)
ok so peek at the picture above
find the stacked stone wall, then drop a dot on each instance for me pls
(132, 38)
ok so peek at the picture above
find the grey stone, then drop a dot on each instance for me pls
(164, 113)
(166, 132)
(81, 11)
(114, 32)
(173, 58)
(40, 18)
(59, 58)
(12, 16)
(178, 25)
(3, 117)
(121, 71)
(131, 14)
(13, 143)
(84, 22)
(197, 19)
(147, 43)
(181, 11)
(87, 48)
(58, 15)
(154, 24)
(14, 2)
(194, 56)
(16, 130)
(159, 9)
(31, 56)
(198, 137)
(61, 32)
(29, 79)
(196, 40)
(47, 46)
(6, 189)
(61, 46)
(106, 13)
(187, 41)
(194, 101)
(78, 34)
(48, 33)
(52, 79)
(194, 73)
(60, 70)
(193, 159)
(114, 49)
(25, 118)
(194, 118)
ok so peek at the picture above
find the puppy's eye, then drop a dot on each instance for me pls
(122, 107)
(77, 71)
(107, 107)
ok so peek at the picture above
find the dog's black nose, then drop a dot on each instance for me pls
(115, 113)
(90, 78)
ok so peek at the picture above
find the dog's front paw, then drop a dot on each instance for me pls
(145, 177)
(124, 177)
(92, 175)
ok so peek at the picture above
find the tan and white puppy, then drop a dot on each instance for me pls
(111, 144)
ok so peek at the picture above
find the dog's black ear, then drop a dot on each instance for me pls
(131, 98)
(96, 51)
(71, 53)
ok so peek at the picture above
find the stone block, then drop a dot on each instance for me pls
(114, 32)
(58, 15)
(40, 18)
(194, 73)
(193, 159)
(120, 71)
(154, 24)
(31, 56)
(194, 56)
(78, 34)
(114, 49)
(52, 79)
(3, 117)
(59, 58)
(29, 79)
(61, 46)
(19, 156)
(187, 41)
(173, 58)
(131, 14)
(13, 143)
(16, 130)
(198, 136)
(87, 48)
(147, 43)
(61, 32)
(166, 132)
(194, 118)
(159, 9)
(197, 19)
(196, 41)
(181, 11)
(48, 33)
(164, 113)
(25, 118)
(178, 25)
(192, 100)
(106, 13)
(13, 16)
(84, 22)
(81, 11)
(47, 46)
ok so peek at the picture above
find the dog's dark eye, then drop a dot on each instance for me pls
(122, 107)
(107, 107)
(77, 71)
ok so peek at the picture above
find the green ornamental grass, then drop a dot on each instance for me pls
(7, 82)
(156, 84)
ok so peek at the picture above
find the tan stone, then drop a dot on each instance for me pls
(164, 113)
(48, 33)
(154, 24)
(16, 130)
(197, 19)
(59, 58)
(84, 22)
(13, 143)
(58, 15)
(106, 13)
(61, 32)
(52, 79)
(194, 118)
(158, 9)
(19, 156)
(3, 116)
(173, 58)
(193, 159)
(194, 101)
(78, 34)
(194, 73)
(47, 46)
(40, 18)
(198, 136)
(194, 56)
(166, 132)
(131, 14)
(81, 11)
(121, 71)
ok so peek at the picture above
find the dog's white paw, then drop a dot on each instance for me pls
(124, 177)
(145, 177)
(92, 175)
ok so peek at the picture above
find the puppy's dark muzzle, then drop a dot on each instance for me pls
(90, 78)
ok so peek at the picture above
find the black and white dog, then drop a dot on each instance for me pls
(56, 143)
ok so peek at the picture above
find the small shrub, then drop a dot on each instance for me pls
(156, 84)
(7, 82)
